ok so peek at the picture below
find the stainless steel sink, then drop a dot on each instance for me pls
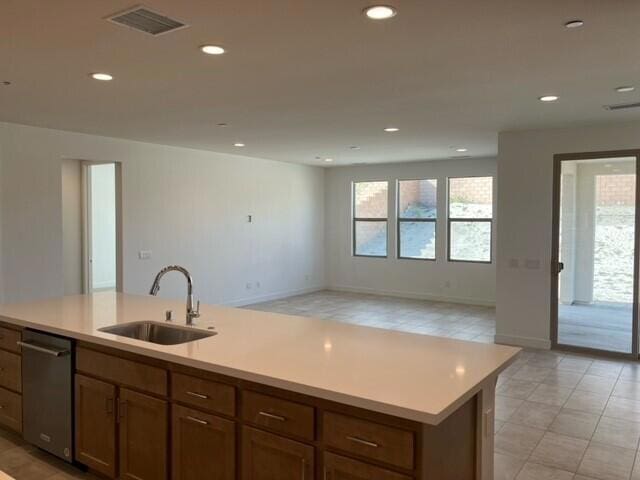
(156, 332)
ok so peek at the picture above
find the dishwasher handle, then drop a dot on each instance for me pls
(56, 352)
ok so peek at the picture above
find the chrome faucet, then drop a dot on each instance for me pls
(191, 313)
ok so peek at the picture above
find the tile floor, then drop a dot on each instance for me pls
(558, 416)
(25, 462)
(563, 416)
(465, 322)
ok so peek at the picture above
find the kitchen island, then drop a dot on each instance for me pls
(270, 396)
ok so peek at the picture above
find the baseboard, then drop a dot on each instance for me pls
(272, 296)
(414, 296)
(527, 342)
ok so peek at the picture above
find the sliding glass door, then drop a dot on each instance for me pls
(594, 275)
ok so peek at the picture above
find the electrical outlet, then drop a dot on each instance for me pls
(248, 285)
(144, 254)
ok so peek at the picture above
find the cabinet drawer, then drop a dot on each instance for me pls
(206, 394)
(368, 439)
(341, 468)
(203, 446)
(11, 410)
(11, 371)
(277, 414)
(9, 339)
(266, 456)
(122, 371)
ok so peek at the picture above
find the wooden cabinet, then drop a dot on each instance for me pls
(203, 446)
(270, 457)
(369, 439)
(143, 436)
(9, 339)
(11, 371)
(139, 422)
(159, 421)
(11, 410)
(122, 371)
(203, 394)
(343, 468)
(281, 415)
(95, 425)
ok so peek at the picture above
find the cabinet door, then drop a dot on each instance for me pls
(203, 446)
(342, 468)
(271, 457)
(143, 436)
(95, 425)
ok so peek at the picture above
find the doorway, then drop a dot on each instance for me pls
(594, 261)
(101, 215)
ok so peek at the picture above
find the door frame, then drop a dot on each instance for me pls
(555, 251)
(87, 280)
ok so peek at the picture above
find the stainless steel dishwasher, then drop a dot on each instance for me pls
(47, 392)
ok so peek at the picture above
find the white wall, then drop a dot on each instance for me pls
(439, 280)
(525, 170)
(103, 226)
(72, 226)
(187, 206)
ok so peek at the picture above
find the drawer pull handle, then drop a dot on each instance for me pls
(272, 416)
(363, 442)
(198, 395)
(197, 420)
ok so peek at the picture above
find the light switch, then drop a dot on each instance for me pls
(514, 263)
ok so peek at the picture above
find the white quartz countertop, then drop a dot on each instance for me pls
(418, 377)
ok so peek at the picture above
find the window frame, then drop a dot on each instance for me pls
(470, 220)
(355, 219)
(400, 220)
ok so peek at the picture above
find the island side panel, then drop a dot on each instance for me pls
(486, 429)
(450, 449)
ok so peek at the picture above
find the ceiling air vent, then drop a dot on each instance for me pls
(145, 20)
(622, 106)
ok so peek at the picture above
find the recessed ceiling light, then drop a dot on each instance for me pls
(239, 144)
(354, 147)
(380, 12)
(391, 129)
(548, 98)
(103, 77)
(328, 160)
(223, 124)
(212, 49)
(6, 83)
(461, 150)
(625, 89)
(574, 23)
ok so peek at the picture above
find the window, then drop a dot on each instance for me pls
(470, 219)
(370, 218)
(417, 213)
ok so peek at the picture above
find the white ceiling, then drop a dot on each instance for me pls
(307, 78)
